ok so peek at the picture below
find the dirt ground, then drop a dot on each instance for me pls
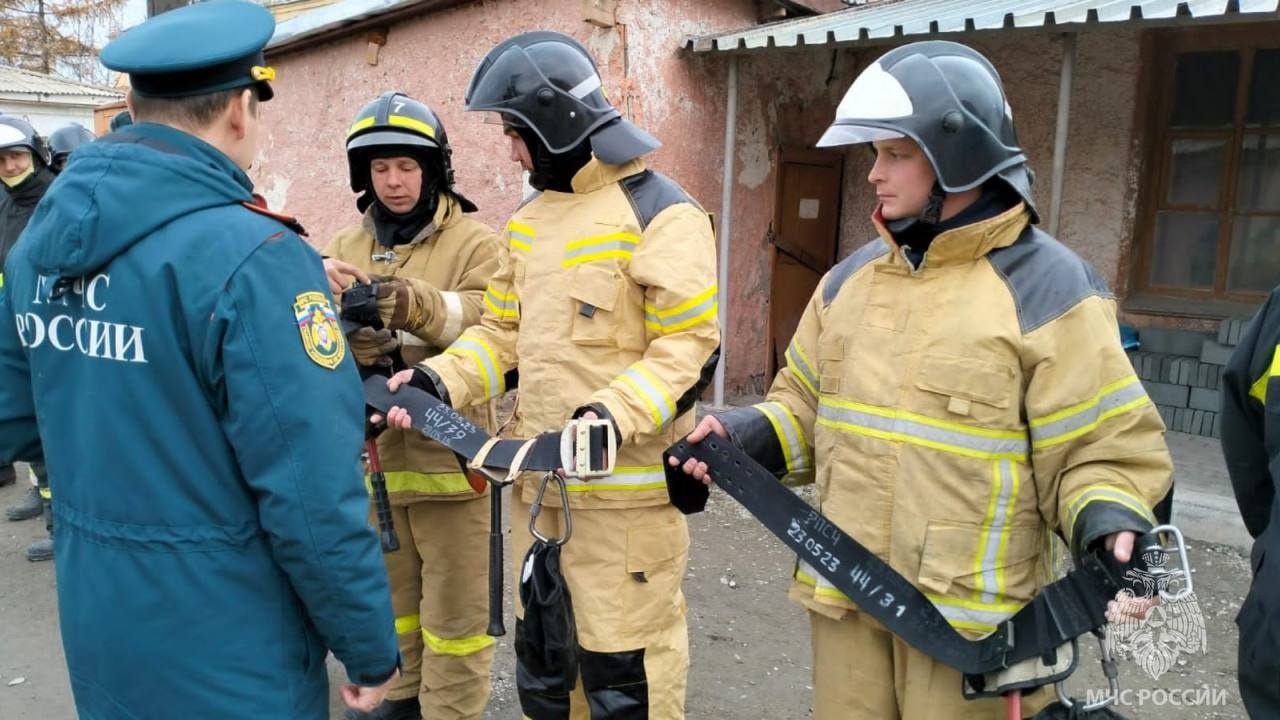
(750, 646)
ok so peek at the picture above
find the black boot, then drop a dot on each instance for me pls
(7, 475)
(28, 507)
(42, 550)
(407, 709)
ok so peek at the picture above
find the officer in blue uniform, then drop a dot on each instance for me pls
(172, 348)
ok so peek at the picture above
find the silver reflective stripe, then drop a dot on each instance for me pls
(990, 551)
(969, 615)
(586, 87)
(1088, 416)
(785, 422)
(659, 403)
(624, 245)
(408, 339)
(822, 584)
(1124, 499)
(520, 240)
(453, 317)
(796, 362)
(623, 479)
(940, 438)
(481, 352)
(678, 318)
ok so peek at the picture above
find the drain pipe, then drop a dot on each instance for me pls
(1060, 133)
(726, 221)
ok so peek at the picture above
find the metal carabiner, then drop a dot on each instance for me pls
(1183, 571)
(536, 509)
(1109, 669)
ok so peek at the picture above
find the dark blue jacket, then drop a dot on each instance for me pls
(175, 356)
(1251, 445)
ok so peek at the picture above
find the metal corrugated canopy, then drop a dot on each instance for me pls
(900, 18)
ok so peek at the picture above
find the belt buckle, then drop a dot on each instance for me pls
(1155, 543)
(575, 448)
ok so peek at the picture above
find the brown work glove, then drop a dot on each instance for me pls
(369, 346)
(400, 304)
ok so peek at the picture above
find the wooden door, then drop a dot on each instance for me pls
(805, 236)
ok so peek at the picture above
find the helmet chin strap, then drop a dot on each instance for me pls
(932, 213)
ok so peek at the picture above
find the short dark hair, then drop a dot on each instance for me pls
(195, 111)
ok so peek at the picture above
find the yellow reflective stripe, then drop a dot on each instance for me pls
(519, 227)
(485, 359)
(412, 124)
(1078, 502)
(1006, 529)
(698, 319)
(661, 407)
(430, 483)
(398, 121)
(520, 236)
(973, 615)
(902, 426)
(503, 305)
(1, 279)
(1258, 390)
(614, 238)
(458, 647)
(1068, 424)
(794, 448)
(821, 586)
(692, 302)
(800, 365)
(988, 563)
(360, 125)
(407, 624)
(624, 479)
(616, 254)
(46, 493)
(620, 245)
(694, 311)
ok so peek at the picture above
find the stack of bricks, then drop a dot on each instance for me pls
(1182, 372)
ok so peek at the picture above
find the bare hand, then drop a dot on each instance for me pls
(1121, 545)
(1130, 606)
(341, 274)
(365, 699)
(397, 417)
(709, 425)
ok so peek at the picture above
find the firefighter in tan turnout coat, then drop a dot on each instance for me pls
(606, 302)
(433, 264)
(956, 388)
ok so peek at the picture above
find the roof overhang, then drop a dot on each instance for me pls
(342, 19)
(893, 20)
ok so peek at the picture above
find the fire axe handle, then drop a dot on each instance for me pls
(381, 503)
(496, 570)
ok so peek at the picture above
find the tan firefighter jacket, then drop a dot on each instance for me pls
(607, 296)
(959, 413)
(450, 263)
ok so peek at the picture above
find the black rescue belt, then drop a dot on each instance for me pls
(1062, 611)
(584, 449)
(546, 640)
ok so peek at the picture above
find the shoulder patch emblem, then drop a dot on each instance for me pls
(318, 325)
